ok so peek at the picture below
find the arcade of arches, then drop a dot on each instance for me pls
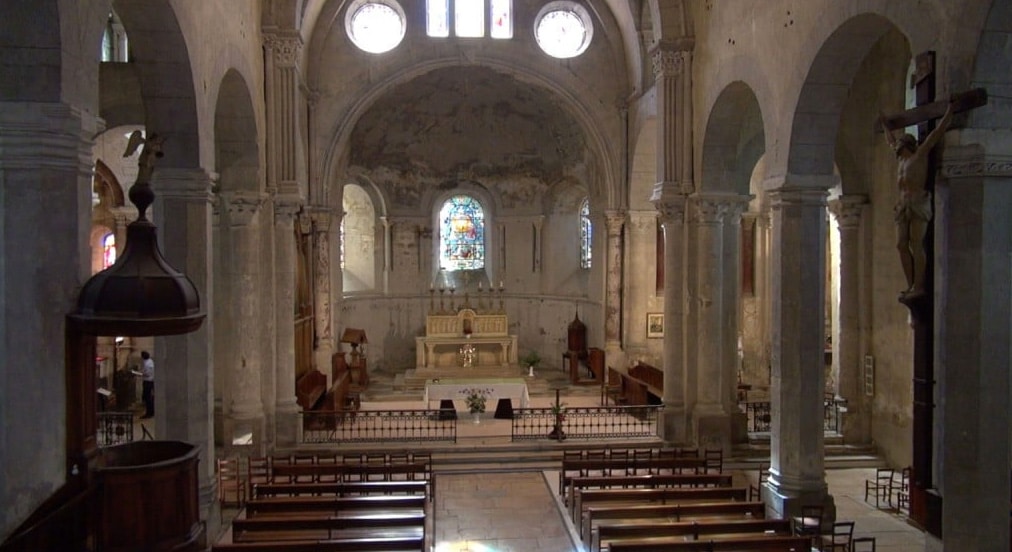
(716, 162)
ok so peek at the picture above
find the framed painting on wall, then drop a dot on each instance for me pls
(655, 324)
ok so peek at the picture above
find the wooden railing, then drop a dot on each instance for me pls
(367, 426)
(595, 422)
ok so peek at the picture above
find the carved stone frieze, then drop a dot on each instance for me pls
(285, 48)
(847, 210)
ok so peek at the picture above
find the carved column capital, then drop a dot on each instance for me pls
(670, 59)
(321, 218)
(710, 210)
(284, 47)
(672, 208)
(848, 209)
(613, 221)
(286, 208)
(242, 206)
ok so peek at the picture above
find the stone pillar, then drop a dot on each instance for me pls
(286, 408)
(640, 282)
(282, 49)
(847, 210)
(973, 284)
(674, 426)
(710, 422)
(184, 363)
(246, 408)
(731, 320)
(387, 252)
(613, 296)
(797, 473)
(323, 349)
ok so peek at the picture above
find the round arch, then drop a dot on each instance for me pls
(236, 148)
(733, 142)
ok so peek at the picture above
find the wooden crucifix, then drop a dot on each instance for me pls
(915, 179)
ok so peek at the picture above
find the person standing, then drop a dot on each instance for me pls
(148, 381)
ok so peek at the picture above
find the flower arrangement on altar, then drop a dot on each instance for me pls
(559, 411)
(476, 398)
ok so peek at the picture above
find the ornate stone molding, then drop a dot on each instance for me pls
(613, 221)
(797, 196)
(243, 206)
(669, 59)
(973, 162)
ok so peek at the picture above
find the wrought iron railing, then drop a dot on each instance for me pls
(115, 428)
(759, 415)
(595, 422)
(365, 426)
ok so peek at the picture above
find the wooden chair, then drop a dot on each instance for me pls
(863, 544)
(754, 491)
(231, 487)
(809, 523)
(902, 490)
(714, 460)
(880, 487)
(839, 540)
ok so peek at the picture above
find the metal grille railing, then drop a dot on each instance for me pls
(595, 422)
(759, 415)
(364, 426)
(115, 428)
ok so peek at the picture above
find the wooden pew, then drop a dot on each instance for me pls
(743, 544)
(344, 488)
(593, 515)
(658, 466)
(332, 505)
(605, 533)
(362, 544)
(594, 497)
(650, 375)
(643, 482)
(328, 528)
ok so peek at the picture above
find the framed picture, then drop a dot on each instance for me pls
(655, 324)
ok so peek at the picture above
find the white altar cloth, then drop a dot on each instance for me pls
(499, 388)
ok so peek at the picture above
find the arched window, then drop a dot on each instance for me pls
(586, 232)
(108, 250)
(469, 18)
(461, 234)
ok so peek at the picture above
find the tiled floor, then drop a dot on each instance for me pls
(500, 512)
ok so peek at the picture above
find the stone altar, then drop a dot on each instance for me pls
(447, 333)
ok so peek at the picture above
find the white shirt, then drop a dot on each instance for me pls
(148, 369)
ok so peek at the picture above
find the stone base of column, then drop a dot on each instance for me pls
(713, 430)
(286, 425)
(244, 436)
(739, 427)
(780, 505)
(673, 426)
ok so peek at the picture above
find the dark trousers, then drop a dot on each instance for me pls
(148, 396)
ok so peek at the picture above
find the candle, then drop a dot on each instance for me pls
(500, 284)
(432, 287)
(479, 286)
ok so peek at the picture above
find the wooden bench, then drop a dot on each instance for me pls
(773, 543)
(347, 488)
(332, 527)
(650, 375)
(583, 467)
(604, 534)
(360, 544)
(593, 515)
(592, 497)
(645, 481)
(331, 505)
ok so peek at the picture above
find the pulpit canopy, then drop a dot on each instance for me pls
(354, 336)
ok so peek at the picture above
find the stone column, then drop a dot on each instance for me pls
(613, 296)
(711, 423)
(731, 320)
(184, 363)
(973, 284)
(246, 408)
(282, 48)
(286, 422)
(847, 210)
(798, 276)
(387, 252)
(324, 347)
(674, 426)
(639, 246)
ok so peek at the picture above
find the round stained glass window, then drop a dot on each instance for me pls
(375, 26)
(563, 29)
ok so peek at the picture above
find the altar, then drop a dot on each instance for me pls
(498, 388)
(465, 339)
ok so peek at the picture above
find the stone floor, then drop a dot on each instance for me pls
(506, 512)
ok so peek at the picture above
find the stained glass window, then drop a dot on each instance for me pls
(108, 251)
(586, 232)
(469, 18)
(341, 243)
(461, 234)
(501, 19)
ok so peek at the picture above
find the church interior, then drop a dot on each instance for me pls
(679, 225)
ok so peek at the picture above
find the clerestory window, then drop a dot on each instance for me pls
(375, 26)
(469, 18)
(563, 29)
(586, 233)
